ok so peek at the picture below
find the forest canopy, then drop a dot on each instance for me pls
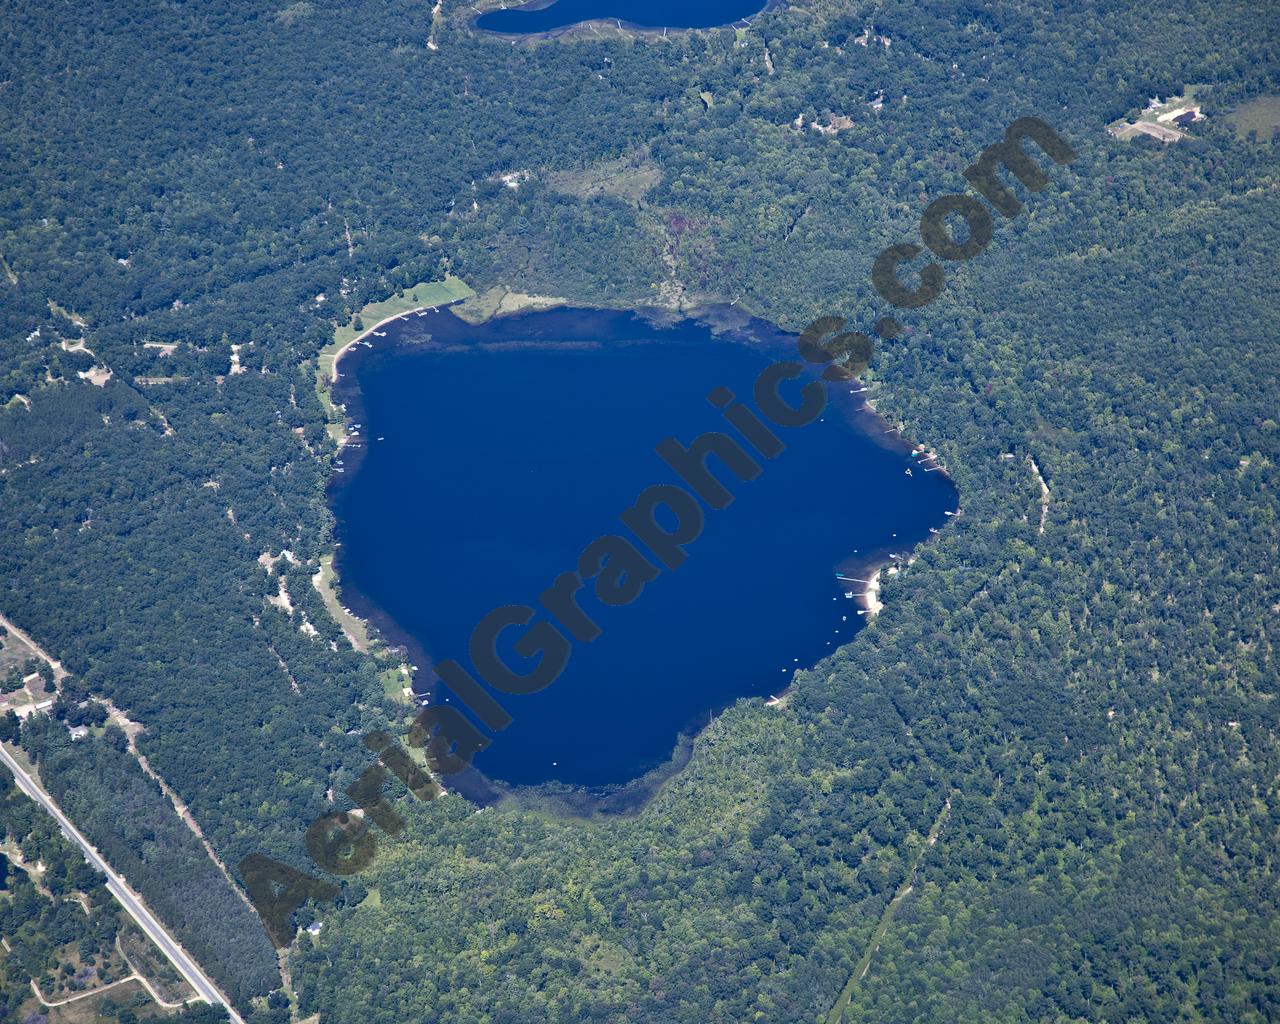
(193, 201)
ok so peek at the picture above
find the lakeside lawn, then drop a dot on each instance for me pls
(426, 293)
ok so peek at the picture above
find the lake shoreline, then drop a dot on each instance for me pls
(368, 332)
(633, 795)
(868, 570)
(615, 25)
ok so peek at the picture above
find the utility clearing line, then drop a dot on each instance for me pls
(184, 812)
(1044, 495)
(836, 1016)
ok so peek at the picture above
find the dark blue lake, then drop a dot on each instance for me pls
(542, 17)
(493, 455)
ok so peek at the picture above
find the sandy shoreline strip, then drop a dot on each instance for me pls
(870, 596)
(337, 356)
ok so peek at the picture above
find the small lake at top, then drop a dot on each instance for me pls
(491, 456)
(675, 14)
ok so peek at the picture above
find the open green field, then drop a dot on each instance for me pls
(13, 651)
(628, 178)
(501, 301)
(92, 1009)
(393, 684)
(1261, 115)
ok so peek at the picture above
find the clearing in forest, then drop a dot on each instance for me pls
(1261, 115)
(1163, 120)
(351, 624)
(628, 178)
(836, 1016)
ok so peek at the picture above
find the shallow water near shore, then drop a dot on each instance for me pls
(489, 456)
(673, 14)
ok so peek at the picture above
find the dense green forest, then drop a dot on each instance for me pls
(1094, 692)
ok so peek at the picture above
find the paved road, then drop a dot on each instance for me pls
(130, 900)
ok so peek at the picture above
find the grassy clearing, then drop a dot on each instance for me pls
(14, 651)
(1261, 115)
(428, 293)
(352, 626)
(75, 318)
(628, 178)
(393, 685)
(91, 1009)
(501, 301)
(55, 986)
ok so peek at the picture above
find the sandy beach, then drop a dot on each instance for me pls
(337, 357)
